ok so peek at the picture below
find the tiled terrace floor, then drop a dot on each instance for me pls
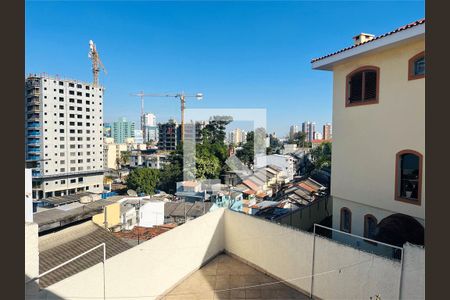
(227, 278)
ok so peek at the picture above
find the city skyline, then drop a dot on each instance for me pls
(193, 47)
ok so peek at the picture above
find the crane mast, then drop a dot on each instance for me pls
(182, 96)
(96, 62)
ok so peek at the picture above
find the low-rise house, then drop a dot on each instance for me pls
(58, 247)
(285, 162)
(289, 148)
(232, 200)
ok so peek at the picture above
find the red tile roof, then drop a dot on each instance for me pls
(307, 187)
(249, 192)
(251, 185)
(320, 141)
(407, 26)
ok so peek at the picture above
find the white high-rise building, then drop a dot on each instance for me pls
(150, 133)
(63, 135)
(317, 135)
(309, 128)
(149, 119)
(292, 131)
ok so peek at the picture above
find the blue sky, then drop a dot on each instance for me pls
(239, 54)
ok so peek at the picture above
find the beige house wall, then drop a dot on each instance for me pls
(366, 138)
(112, 216)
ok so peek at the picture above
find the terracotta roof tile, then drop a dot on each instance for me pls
(407, 26)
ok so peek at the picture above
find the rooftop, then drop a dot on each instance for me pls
(63, 245)
(400, 34)
(226, 277)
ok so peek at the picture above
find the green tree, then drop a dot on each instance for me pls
(143, 180)
(321, 156)
(125, 157)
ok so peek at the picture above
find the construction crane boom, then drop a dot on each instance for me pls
(182, 96)
(96, 62)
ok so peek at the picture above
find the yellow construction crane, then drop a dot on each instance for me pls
(96, 62)
(182, 96)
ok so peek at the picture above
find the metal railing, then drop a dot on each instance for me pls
(75, 258)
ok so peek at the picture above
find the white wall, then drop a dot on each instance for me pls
(155, 266)
(28, 196)
(152, 267)
(362, 275)
(413, 282)
(151, 214)
(31, 257)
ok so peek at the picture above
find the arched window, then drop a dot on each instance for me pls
(370, 224)
(362, 86)
(346, 220)
(416, 66)
(408, 173)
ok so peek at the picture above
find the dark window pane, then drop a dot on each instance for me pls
(345, 216)
(419, 66)
(370, 88)
(355, 87)
(371, 226)
(409, 176)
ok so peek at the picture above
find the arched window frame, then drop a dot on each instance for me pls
(347, 86)
(397, 177)
(341, 227)
(411, 62)
(366, 227)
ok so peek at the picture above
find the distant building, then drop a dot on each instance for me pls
(292, 131)
(309, 128)
(317, 135)
(169, 135)
(150, 132)
(138, 137)
(237, 136)
(112, 153)
(107, 130)
(289, 148)
(121, 130)
(285, 162)
(327, 132)
(63, 135)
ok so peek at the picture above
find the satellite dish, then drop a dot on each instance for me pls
(132, 193)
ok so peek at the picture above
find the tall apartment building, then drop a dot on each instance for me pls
(63, 135)
(138, 137)
(237, 136)
(327, 131)
(169, 135)
(378, 158)
(309, 128)
(107, 130)
(292, 131)
(150, 128)
(122, 129)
